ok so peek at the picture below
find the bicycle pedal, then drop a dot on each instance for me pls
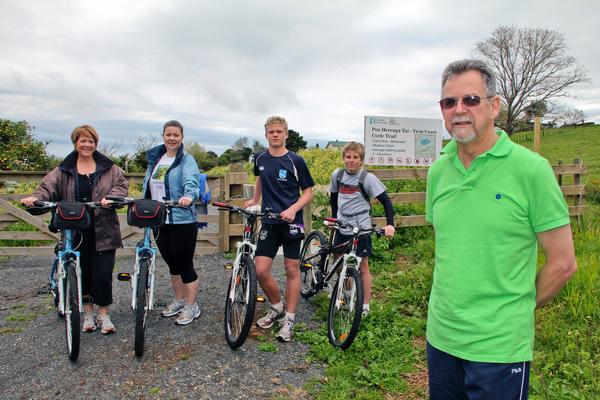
(228, 266)
(124, 276)
(260, 299)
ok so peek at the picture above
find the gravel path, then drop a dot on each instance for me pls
(182, 362)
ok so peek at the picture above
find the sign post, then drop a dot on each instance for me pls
(402, 141)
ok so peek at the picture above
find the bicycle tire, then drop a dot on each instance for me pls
(239, 313)
(72, 316)
(311, 278)
(141, 309)
(343, 321)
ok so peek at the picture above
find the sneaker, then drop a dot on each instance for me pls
(105, 324)
(272, 316)
(89, 322)
(365, 310)
(286, 332)
(189, 313)
(174, 308)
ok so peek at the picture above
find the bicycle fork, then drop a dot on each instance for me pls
(136, 273)
(61, 275)
(350, 261)
(241, 247)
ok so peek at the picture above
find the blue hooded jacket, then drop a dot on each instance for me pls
(180, 180)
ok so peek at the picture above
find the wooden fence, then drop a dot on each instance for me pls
(226, 228)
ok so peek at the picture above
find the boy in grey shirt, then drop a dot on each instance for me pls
(351, 190)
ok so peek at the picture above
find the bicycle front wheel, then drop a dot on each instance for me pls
(72, 316)
(240, 303)
(141, 308)
(310, 264)
(345, 309)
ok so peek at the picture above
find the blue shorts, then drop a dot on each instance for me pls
(454, 378)
(363, 249)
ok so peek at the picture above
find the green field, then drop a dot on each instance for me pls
(387, 359)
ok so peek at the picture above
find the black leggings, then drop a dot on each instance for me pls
(96, 270)
(177, 243)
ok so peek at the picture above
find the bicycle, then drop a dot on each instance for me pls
(146, 214)
(241, 292)
(316, 271)
(65, 274)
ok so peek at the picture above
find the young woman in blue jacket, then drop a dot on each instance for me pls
(172, 174)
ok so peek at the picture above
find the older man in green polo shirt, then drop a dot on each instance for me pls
(491, 202)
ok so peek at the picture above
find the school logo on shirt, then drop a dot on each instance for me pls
(282, 174)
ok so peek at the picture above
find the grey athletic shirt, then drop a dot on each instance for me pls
(352, 206)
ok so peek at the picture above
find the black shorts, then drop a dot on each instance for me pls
(364, 248)
(271, 236)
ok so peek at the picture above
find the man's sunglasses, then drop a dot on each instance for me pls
(469, 101)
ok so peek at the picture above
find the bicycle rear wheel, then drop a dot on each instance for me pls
(239, 312)
(141, 309)
(345, 310)
(72, 316)
(310, 264)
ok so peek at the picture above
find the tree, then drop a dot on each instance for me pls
(206, 159)
(295, 142)
(257, 146)
(18, 148)
(531, 65)
(138, 162)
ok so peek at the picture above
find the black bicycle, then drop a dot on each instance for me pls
(316, 273)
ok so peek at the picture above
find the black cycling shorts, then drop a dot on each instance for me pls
(271, 236)
(364, 248)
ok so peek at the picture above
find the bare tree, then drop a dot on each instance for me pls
(110, 149)
(531, 66)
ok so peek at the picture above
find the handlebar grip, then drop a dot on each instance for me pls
(115, 198)
(220, 204)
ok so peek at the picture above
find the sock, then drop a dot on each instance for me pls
(366, 307)
(278, 306)
(290, 316)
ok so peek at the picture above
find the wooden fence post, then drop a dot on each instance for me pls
(536, 134)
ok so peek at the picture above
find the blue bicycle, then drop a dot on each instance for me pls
(146, 214)
(65, 275)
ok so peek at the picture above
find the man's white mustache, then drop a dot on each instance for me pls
(459, 120)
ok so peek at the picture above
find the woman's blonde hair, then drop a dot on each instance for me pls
(84, 130)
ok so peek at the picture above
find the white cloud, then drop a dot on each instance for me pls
(223, 67)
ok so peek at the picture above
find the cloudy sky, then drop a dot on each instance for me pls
(222, 67)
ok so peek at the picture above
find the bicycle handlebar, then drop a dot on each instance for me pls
(41, 207)
(334, 223)
(123, 201)
(229, 207)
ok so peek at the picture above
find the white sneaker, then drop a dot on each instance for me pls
(89, 322)
(189, 313)
(105, 324)
(286, 332)
(272, 316)
(173, 308)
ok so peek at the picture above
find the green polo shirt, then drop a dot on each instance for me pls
(482, 301)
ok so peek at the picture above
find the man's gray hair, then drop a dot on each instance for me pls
(462, 66)
(276, 119)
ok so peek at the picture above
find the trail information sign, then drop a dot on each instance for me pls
(402, 141)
